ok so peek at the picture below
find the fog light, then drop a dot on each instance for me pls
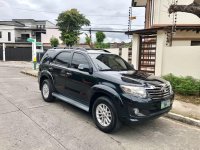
(137, 112)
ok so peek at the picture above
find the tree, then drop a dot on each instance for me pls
(193, 8)
(100, 36)
(88, 40)
(70, 23)
(54, 42)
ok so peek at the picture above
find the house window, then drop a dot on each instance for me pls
(0, 35)
(195, 43)
(9, 36)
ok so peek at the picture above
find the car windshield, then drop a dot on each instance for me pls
(110, 62)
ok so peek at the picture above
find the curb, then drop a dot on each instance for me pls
(28, 73)
(183, 119)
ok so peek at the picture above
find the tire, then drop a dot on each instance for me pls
(102, 121)
(47, 90)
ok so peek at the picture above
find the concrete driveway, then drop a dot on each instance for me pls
(28, 123)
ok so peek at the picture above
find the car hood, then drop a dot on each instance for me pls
(132, 77)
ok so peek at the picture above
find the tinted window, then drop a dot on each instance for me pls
(79, 59)
(0, 34)
(110, 62)
(47, 55)
(63, 59)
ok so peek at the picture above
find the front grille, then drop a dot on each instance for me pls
(159, 92)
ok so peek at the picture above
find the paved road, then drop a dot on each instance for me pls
(26, 122)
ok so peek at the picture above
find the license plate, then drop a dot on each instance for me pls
(165, 104)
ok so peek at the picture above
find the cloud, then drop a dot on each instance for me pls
(110, 14)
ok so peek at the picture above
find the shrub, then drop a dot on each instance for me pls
(184, 85)
(102, 45)
(54, 42)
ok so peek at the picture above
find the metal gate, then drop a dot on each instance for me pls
(18, 54)
(147, 53)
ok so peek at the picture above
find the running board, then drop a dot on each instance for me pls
(71, 101)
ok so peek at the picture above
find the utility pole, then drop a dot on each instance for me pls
(129, 18)
(90, 32)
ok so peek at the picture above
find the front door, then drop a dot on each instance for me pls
(78, 82)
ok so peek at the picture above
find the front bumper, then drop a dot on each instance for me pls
(148, 109)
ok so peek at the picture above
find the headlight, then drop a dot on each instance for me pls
(170, 87)
(135, 90)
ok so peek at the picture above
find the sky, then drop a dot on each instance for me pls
(103, 14)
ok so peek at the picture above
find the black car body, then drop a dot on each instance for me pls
(80, 77)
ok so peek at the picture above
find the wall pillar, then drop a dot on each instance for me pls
(160, 45)
(4, 52)
(135, 50)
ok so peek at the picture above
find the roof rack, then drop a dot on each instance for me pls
(79, 48)
(98, 49)
(75, 48)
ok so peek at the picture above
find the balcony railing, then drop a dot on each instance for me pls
(24, 40)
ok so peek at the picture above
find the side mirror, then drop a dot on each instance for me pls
(85, 68)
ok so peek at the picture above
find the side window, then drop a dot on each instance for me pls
(63, 59)
(78, 59)
(0, 34)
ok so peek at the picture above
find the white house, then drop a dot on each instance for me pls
(160, 50)
(18, 30)
(51, 32)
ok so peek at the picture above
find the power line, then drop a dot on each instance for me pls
(116, 25)
(97, 30)
(52, 12)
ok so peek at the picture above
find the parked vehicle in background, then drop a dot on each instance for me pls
(105, 85)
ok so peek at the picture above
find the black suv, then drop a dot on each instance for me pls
(105, 85)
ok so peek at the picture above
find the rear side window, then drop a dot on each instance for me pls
(47, 55)
(78, 59)
(63, 59)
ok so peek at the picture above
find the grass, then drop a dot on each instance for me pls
(188, 99)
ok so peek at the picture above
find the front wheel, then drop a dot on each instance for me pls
(105, 115)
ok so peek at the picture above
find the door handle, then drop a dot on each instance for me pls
(68, 73)
(51, 69)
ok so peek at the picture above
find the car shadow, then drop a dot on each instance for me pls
(125, 129)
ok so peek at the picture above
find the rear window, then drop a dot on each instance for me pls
(48, 54)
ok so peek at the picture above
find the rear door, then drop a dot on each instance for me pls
(58, 69)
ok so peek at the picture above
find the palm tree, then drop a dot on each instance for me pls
(193, 8)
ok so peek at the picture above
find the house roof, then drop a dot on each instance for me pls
(12, 23)
(21, 22)
(154, 30)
